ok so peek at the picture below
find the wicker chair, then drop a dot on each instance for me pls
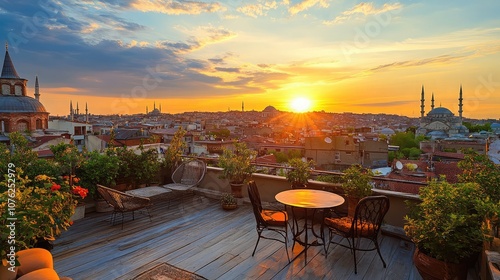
(123, 202)
(187, 176)
(267, 219)
(370, 212)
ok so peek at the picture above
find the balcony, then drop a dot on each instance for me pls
(200, 237)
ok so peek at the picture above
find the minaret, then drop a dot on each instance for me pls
(242, 106)
(422, 106)
(71, 110)
(460, 99)
(154, 105)
(86, 113)
(77, 110)
(37, 89)
(432, 101)
(160, 107)
(147, 111)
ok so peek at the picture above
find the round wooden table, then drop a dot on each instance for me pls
(308, 199)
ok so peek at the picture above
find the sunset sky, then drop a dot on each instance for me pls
(341, 56)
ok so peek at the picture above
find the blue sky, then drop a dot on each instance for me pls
(343, 56)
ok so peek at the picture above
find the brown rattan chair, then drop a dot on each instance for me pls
(123, 202)
(187, 176)
(267, 219)
(366, 223)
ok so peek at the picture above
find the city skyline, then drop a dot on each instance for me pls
(360, 57)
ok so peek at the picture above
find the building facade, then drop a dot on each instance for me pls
(18, 111)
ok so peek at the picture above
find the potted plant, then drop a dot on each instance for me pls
(228, 201)
(356, 185)
(299, 174)
(447, 228)
(237, 166)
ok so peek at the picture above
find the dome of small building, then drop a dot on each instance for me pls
(20, 104)
(387, 131)
(440, 111)
(495, 126)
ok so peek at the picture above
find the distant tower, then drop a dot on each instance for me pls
(460, 99)
(154, 105)
(147, 111)
(432, 101)
(37, 89)
(242, 106)
(71, 112)
(422, 106)
(77, 110)
(86, 113)
(160, 107)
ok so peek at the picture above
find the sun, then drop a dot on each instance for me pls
(300, 104)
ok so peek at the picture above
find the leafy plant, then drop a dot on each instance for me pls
(356, 181)
(41, 209)
(98, 169)
(299, 174)
(447, 224)
(237, 164)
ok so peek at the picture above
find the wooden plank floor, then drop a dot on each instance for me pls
(202, 238)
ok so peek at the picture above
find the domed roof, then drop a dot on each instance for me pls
(440, 111)
(20, 104)
(495, 125)
(269, 109)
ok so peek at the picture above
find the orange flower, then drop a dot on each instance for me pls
(82, 192)
(76, 180)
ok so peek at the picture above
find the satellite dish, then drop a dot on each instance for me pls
(399, 165)
(328, 140)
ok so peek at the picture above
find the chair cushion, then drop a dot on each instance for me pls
(344, 225)
(273, 217)
(340, 224)
(33, 259)
(41, 274)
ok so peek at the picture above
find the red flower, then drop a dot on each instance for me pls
(55, 187)
(82, 192)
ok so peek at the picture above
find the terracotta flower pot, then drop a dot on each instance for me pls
(433, 269)
(236, 190)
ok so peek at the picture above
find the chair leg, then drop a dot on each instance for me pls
(256, 244)
(354, 253)
(378, 251)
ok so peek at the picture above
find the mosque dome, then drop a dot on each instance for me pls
(20, 104)
(269, 109)
(440, 112)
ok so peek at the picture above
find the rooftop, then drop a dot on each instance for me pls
(216, 244)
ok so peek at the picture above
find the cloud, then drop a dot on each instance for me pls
(364, 9)
(385, 104)
(258, 9)
(228, 69)
(305, 5)
(438, 60)
(171, 7)
(199, 38)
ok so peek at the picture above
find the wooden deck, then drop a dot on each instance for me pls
(202, 238)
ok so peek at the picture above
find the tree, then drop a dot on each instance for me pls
(172, 156)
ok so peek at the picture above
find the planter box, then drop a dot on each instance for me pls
(79, 212)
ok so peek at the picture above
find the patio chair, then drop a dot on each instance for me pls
(370, 212)
(187, 176)
(267, 219)
(123, 202)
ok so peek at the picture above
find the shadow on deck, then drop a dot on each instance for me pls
(202, 238)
